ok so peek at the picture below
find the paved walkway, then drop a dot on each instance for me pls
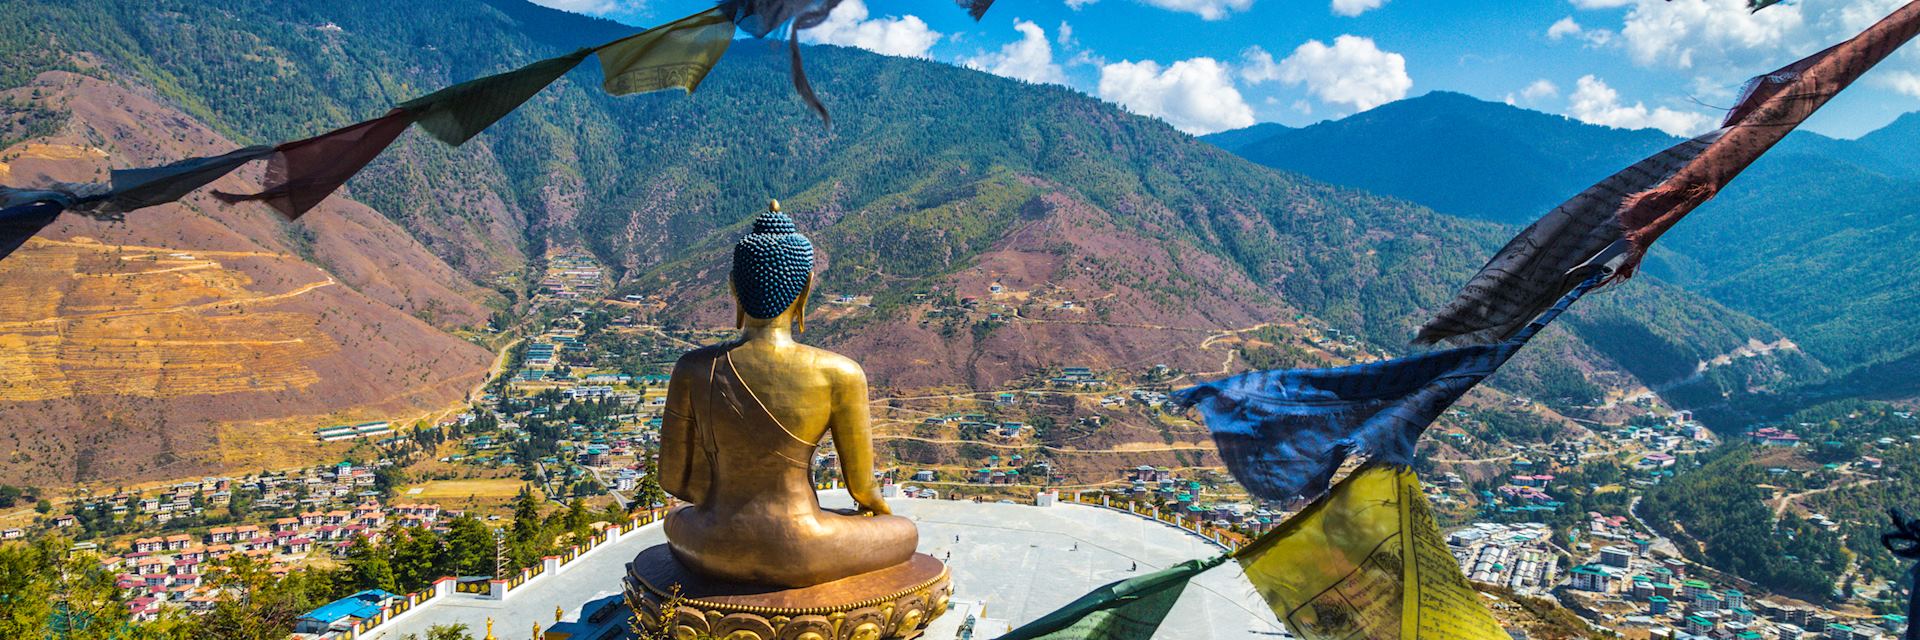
(1021, 561)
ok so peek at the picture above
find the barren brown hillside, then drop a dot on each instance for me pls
(196, 337)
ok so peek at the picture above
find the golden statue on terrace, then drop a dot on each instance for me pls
(752, 556)
(743, 419)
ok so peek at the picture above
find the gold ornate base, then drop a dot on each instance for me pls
(895, 602)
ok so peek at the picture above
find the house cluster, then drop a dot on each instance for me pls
(1774, 437)
(1002, 471)
(573, 275)
(1076, 378)
(170, 570)
(1516, 556)
(1523, 493)
(1632, 588)
(338, 432)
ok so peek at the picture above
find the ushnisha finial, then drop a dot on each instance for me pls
(773, 205)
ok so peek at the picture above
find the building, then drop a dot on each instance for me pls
(1594, 578)
(1774, 437)
(1616, 557)
(1692, 589)
(342, 614)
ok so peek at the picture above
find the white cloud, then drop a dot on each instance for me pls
(594, 7)
(906, 36)
(1533, 93)
(1905, 82)
(1708, 33)
(1568, 28)
(1594, 102)
(1206, 9)
(1195, 95)
(1354, 71)
(1077, 4)
(1030, 58)
(1351, 8)
(1257, 66)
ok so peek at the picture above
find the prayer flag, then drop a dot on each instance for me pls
(761, 17)
(141, 188)
(1645, 200)
(24, 213)
(1366, 560)
(1125, 610)
(305, 172)
(1756, 5)
(1284, 433)
(676, 54)
(456, 114)
(1539, 264)
(978, 8)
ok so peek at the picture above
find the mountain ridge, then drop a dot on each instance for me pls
(1813, 228)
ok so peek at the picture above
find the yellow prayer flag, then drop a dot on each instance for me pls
(676, 54)
(1366, 561)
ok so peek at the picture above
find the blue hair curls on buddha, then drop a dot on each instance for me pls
(772, 267)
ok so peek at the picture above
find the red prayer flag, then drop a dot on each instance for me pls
(1772, 106)
(304, 172)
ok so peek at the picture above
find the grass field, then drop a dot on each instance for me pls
(481, 488)
(477, 496)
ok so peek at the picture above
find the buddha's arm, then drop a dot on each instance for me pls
(677, 448)
(853, 438)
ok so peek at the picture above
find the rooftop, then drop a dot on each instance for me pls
(365, 604)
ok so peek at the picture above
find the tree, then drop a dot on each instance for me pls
(577, 520)
(526, 515)
(445, 632)
(468, 548)
(648, 494)
(254, 605)
(369, 567)
(415, 556)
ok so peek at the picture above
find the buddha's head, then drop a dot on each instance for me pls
(772, 272)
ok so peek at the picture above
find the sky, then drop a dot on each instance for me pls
(1211, 65)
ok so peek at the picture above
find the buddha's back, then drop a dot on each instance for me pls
(743, 420)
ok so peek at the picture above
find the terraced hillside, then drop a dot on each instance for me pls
(194, 338)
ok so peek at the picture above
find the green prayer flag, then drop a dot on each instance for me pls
(676, 54)
(1126, 610)
(456, 114)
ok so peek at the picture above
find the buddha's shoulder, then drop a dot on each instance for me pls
(704, 355)
(839, 366)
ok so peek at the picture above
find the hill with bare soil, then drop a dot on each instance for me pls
(194, 338)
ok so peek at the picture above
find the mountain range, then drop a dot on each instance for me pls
(1814, 239)
(932, 181)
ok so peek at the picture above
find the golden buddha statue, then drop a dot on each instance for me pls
(743, 419)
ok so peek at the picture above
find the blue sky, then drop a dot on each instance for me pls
(1209, 65)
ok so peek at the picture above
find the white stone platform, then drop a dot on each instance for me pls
(1018, 562)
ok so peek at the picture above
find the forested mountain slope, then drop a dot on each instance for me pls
(1815, 238)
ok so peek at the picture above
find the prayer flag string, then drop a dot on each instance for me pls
(1645, 200)
(303, 173)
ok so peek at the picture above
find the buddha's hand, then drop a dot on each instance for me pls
(873, 504)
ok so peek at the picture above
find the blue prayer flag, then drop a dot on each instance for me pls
(1284, 433)
(18, 223)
